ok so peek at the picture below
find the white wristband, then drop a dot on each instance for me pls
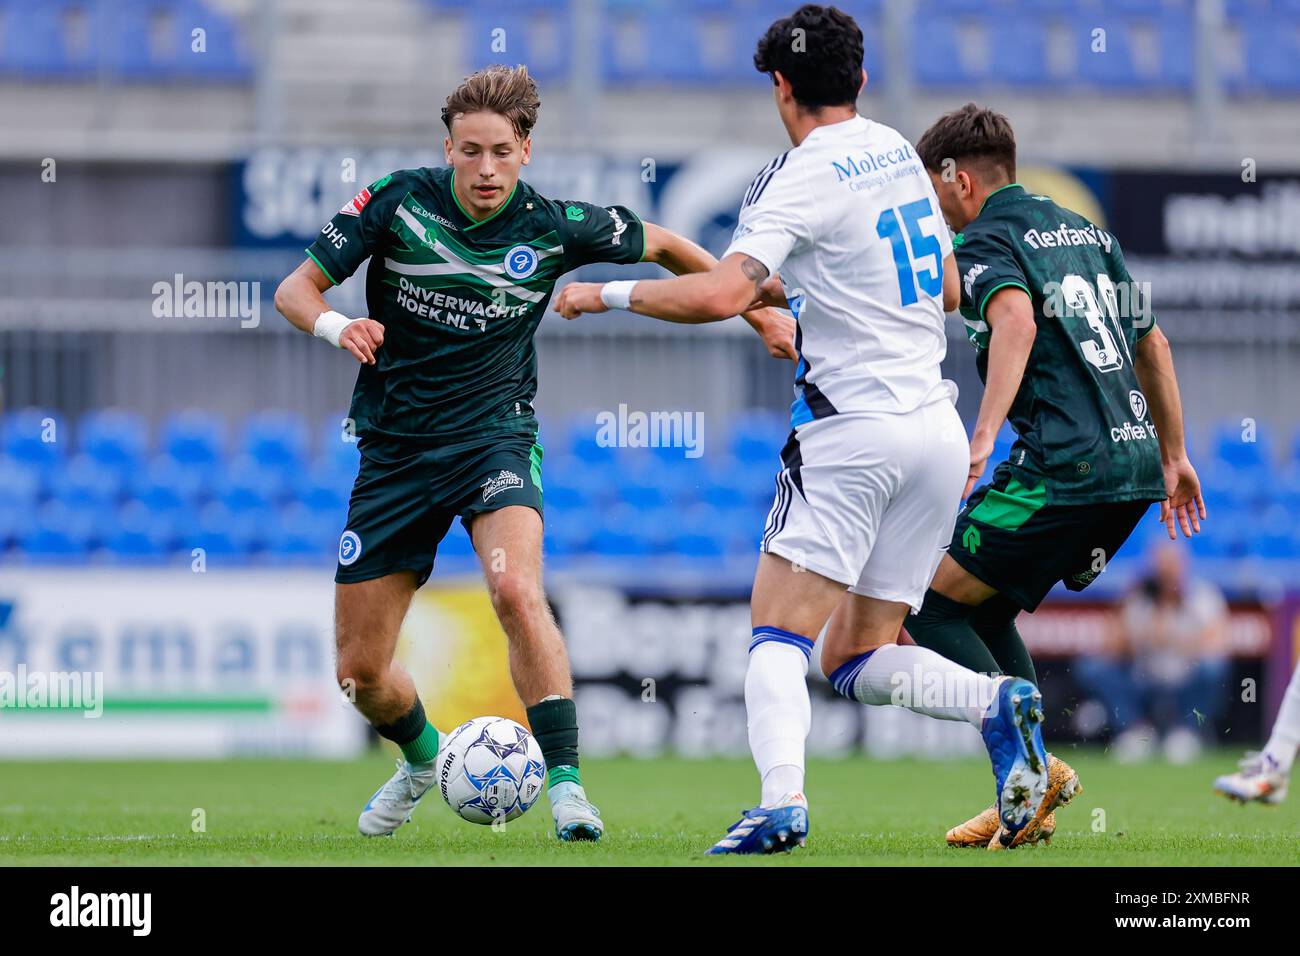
(617, 295)
(329, 326)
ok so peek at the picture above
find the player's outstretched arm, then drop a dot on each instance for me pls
(299, 298)
(1010, 316)
(681, 256)
(728, 288)
(1154, 365)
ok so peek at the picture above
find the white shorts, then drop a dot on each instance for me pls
(870, 500)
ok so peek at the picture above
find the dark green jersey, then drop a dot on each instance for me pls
(459, 300)
(1080, 414)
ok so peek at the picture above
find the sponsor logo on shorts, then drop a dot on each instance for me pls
(521, 262)
(1084, 578)
(349, 548)
(502, 482)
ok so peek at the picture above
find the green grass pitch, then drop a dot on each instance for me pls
(659, 812)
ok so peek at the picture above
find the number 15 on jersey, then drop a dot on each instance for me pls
(902, 227)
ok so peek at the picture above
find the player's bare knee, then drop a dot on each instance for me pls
(360, 675)
(517, 598)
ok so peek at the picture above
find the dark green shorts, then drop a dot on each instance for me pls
(406, 497)
(1010, 538)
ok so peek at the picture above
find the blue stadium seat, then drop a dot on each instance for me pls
(697, 543)
(21, 483)
(250, 486)
(58, 533)
(594, 481)
(325, 493)
(1271, 54)
(36, 438)
(153, 41)
(248, 528)
(139, 535)
(583, 441)
(732, 482)
(164, 484)
(337, 447)
(938, 58)
(1230, 446)
(1176, 34)
(757, 437)
(299, 533)
(568, 532)
(113, 439)
(35, 40)
(1112, 68)
(563, 497)
(194, 438)
(522, 29)
(84, 481)
(1018, 53)
(276, 440)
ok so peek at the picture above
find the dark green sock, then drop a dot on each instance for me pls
(554, 723)
(414, 734)
(995, 623)
(943, 625)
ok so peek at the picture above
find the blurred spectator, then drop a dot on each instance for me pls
(1162, 681)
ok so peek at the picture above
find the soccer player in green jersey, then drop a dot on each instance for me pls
(1069, 351)
(463, 260)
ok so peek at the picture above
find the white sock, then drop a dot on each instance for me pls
(1285, 738)
(920, 680)
(780, 716)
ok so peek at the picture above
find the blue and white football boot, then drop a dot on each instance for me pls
(576, 819)
(775, 829)
(1013, 733)
(392, 804)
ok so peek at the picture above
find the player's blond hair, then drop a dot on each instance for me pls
(505, 90)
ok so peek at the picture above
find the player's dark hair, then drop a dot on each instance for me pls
(819, 51)
(971, 136)
(505, 90)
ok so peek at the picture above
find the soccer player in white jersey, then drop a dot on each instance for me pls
(845, 230)
(1264, 776)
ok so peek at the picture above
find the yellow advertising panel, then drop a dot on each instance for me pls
(456, 653)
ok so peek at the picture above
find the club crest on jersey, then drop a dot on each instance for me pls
(521, 262)
(1138, 402)
(502, 482)
(349, 548)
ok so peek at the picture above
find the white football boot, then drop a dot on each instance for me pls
(575, 817)
(1260, 779)
(393, 803)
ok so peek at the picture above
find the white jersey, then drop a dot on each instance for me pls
(850, 221)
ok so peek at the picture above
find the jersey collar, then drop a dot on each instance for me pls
(1002, 194)
(469, 222)
(842, 128)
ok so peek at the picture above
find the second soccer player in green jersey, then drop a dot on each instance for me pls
(1070, 353)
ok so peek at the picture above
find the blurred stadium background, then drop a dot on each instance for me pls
(174, 488)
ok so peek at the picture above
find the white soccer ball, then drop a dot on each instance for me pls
(490, 769)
